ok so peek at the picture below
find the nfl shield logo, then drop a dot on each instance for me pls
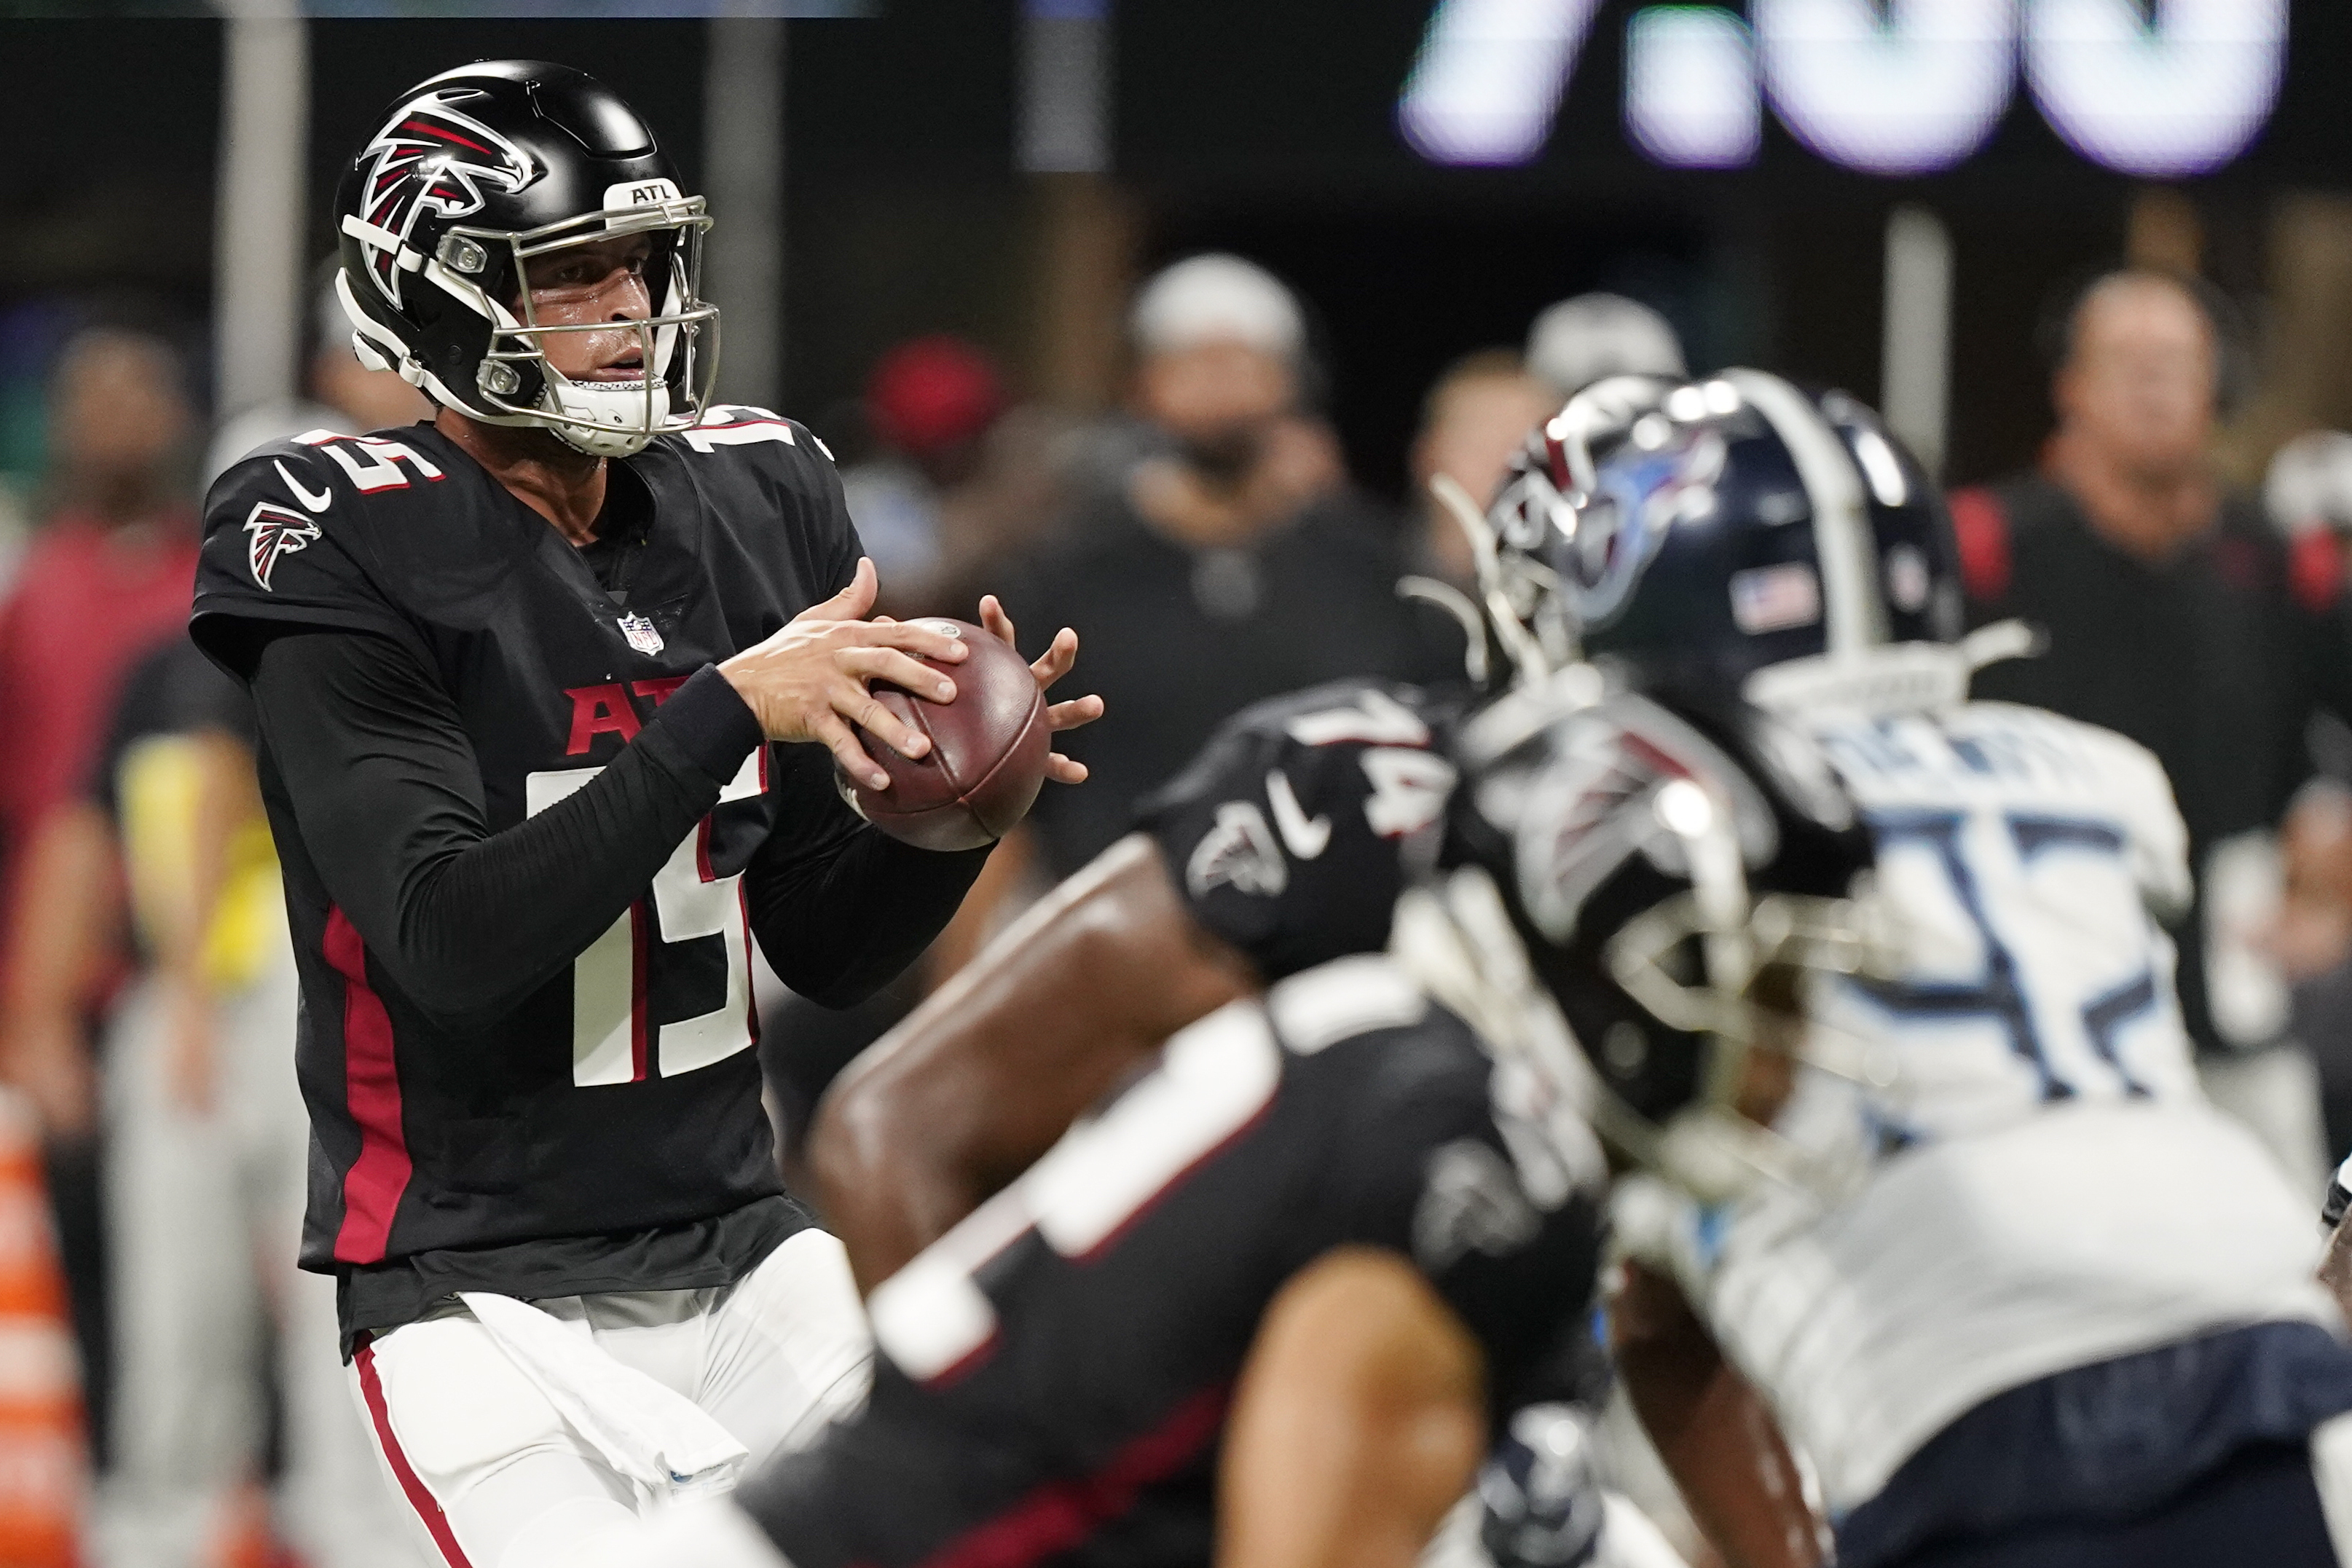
(641, 634)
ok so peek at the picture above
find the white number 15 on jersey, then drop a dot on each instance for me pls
(612, 1041)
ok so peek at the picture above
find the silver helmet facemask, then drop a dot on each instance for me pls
(677, 343)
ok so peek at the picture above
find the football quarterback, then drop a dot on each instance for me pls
(528, 679)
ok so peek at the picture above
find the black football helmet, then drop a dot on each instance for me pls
(473, 174)
(1668, 879)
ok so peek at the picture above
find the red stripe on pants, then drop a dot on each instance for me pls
(373, 1186)
(419, 1499)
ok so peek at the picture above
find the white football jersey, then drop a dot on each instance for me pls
(2041, 1185)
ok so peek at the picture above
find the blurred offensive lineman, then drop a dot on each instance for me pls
(1265, 1306)
(2016, 1293)
(1282, 847)
(520, 677)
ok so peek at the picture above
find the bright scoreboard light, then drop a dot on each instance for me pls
(1907, 88)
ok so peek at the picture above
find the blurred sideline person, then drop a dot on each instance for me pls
(1592, 336)
(930, 404)
(2176, 617)
(1210, 551)
(2312, 942)
(1230, 563)
(550, 696)
(107, 578)
(1473, 420)
(2307, 491)
(1925, 1166)
(208, 1147)
(344, 396)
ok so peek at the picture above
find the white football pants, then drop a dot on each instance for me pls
(493, 1474)
(204, 1215)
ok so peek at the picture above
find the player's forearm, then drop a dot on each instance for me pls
(67, 905)
(386, 791)
(884, 1186)
(1712, 1430)
(996, 1064)
(839, 924)
(1356, 1423)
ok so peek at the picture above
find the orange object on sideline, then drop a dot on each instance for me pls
(242, 1536)
(44, 1449)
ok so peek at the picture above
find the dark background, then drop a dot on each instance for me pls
(1263, 127)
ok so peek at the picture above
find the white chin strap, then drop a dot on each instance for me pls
(616, 419)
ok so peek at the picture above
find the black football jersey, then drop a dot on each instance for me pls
(1290, 832)
(622, 1096)
(1052, 1374)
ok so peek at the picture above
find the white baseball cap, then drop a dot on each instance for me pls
(2309, 485)
(1594, 336)
(1217, 298)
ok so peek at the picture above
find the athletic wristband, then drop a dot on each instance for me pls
(710, 724)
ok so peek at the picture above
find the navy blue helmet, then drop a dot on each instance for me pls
(1703, 531)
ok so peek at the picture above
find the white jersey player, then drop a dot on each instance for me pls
(2012, 1293)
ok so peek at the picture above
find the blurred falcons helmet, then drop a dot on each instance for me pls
(470, 176)
(1666, 880)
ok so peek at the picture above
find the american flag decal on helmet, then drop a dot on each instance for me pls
(273, 531)
(429, 154)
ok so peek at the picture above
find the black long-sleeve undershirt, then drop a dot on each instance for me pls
(387, 794)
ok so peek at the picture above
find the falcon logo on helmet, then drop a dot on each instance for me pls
(273, 532)
(478, 177)
(428, 154)
(1239, 852)
(1612, 790)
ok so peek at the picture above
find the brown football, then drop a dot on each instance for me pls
(988, 750)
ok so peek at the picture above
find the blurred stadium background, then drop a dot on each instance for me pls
(1005, 171)
(934, 216)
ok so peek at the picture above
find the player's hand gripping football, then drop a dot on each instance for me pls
(812, 681)
(1055, 663)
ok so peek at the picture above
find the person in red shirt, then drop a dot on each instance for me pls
(108, 578)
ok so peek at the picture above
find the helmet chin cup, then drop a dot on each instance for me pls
(605, 420)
